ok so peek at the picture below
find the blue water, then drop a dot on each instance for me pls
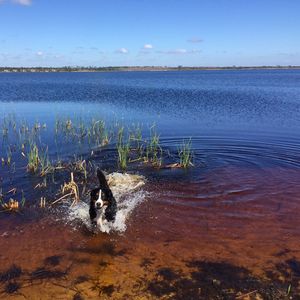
(234, 118)
(185, 103)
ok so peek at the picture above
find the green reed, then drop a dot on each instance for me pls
(185, 154)
(33, 158)
(154, 148)
(123, 149)
(123, 155)
(23, 199)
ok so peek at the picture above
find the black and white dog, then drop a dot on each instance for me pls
(103, 205)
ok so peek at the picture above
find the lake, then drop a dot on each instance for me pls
(224, 227)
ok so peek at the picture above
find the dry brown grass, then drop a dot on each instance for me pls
(72, 190)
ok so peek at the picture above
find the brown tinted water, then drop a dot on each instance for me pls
(232, 235)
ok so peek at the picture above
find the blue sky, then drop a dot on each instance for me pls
(149, 32)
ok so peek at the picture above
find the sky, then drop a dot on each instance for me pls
(149, 32)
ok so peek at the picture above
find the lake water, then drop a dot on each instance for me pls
(225, 227)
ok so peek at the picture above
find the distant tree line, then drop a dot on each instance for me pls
(133, 68)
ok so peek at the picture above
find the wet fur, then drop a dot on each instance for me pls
(109, 210)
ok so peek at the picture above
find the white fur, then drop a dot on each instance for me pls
(100, 219)
(99, 200)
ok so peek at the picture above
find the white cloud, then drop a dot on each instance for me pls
(175, 51)
(122, 50)
(20, 2)
(180, 51)
(195, 40)
(148, 46)
(39, 53)
(23, 2)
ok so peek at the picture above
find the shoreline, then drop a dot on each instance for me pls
(136, 69)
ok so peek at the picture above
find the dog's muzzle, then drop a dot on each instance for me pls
(99, 205)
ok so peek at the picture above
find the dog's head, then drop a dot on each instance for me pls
(97, 198)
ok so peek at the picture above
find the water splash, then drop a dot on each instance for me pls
(128, 194)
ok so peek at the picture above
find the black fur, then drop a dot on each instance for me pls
(111, 209)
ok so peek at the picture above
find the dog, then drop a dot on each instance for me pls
(103, 205)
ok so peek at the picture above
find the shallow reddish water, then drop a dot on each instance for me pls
(232, 234)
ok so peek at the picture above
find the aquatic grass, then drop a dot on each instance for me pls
(81, 166)
(81, 135)
(33, 158)
(147, 152)
(57, 125)
(11, 205)
(72, 189)
(45, 164)
(157, 160)
(8, 160)
(4, 132)
(154, 151)
(120, 135)
(43, 202)
(98, 133)
(1, 196)
(185, 154)
(123, 155)
(68, 125)
(106, 139)
(154, 139)
(36, 126)
(122, 148)
(23, 199)
(136, 137)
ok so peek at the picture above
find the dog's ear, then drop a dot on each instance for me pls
(111, 210)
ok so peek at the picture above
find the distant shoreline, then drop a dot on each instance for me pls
(130, 69)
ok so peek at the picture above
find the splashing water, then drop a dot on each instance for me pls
(127, 191)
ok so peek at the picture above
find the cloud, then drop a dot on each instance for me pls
(148, 46)
(122, 51)
(195, 40)
(23, 2)
(19, 2)
(180, 51)
(175, 51)
(39, 53)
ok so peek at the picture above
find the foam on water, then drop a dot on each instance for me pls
(128, 194)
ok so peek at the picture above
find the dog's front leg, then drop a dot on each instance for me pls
(100, 222)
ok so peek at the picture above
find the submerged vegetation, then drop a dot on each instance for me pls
(76, 143)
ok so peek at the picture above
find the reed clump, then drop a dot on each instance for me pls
(38, 161)
(185, 154)
(72, 190)
(11, 205)
(33, 159)
(123, 149)
(123, 155)
(154, 151)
